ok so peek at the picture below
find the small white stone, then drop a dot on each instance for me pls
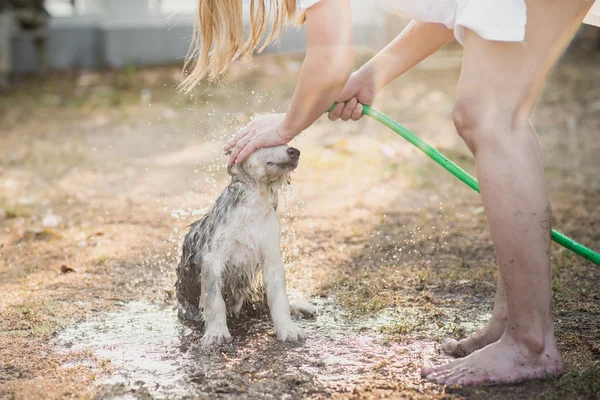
(51, 220)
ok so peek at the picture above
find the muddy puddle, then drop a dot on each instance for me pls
(154, 356)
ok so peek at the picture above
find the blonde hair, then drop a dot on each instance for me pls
(218, 37)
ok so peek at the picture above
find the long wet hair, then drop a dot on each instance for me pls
(218, 37)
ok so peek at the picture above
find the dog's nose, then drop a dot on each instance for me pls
(293, 153)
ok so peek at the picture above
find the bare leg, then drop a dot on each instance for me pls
(495, 327)
(237, 308)
(498, 88)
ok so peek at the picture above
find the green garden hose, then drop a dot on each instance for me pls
(461, 174)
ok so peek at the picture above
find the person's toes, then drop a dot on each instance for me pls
(449, 344)
(442, 376)
(464, 381)
(455, 375)
(437, 377)
(426, 369)
(454, 348)
(425, 372)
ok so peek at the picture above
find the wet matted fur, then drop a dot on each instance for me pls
(232, 255)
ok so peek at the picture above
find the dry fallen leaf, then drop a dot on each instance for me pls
(65, 270)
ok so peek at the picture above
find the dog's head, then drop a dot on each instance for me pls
(268, 165)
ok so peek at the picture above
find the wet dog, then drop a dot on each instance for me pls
(233, 254)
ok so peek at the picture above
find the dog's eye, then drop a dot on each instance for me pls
(270, 163)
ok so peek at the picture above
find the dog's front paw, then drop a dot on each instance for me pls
(303, 308)
(289, 331)
(215, 336)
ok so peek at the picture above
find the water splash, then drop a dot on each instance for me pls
(153, 354)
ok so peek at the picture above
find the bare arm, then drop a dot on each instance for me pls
(324, 73)
(326, 68)
(415, 43)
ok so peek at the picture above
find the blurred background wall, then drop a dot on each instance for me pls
(117, 33)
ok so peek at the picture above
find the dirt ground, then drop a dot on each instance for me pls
(101, 172)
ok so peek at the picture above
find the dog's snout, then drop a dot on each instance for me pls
(293, 153)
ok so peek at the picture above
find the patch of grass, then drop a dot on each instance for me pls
(584, 383)
(13, 210)
(10, 212)
(33, 377)
(102, 258)
(360, 301)
(400, 329)
(421, 322)
(33, 318)
(37, 234)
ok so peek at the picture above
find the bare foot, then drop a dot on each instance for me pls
(489, 334)
(504, 361)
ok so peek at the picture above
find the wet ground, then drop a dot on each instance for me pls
(101, 172)
(155, 356)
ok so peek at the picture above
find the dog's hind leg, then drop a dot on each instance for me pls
(303, 308)
(274, 279)
(214, 309)
(237, 308)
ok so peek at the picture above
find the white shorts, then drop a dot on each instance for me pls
(501, 20)
(593, 16)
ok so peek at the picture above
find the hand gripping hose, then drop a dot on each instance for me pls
(461, 174)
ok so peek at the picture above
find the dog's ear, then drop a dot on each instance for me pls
(229, 167)
(236, 170)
